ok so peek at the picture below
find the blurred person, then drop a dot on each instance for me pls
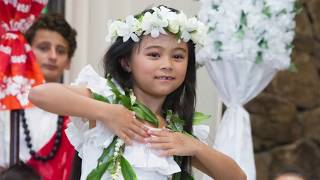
(43, 143)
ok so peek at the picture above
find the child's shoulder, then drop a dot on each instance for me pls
(89, 78)
(88, 74)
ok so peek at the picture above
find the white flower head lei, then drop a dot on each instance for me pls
(161, 21)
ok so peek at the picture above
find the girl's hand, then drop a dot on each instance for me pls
(173, 143)
(125, 125)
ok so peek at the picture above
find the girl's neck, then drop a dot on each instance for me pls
(153, 103)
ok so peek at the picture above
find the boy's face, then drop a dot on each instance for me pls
(158, 66)
(51, 51)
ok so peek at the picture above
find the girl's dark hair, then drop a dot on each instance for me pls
(181, 101)
(57, 23)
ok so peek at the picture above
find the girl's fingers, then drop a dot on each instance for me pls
(138, 138)
(140, 129)
(142, 126)
(168, 152)
(157, 139)
(159, 146)
(125, 138)
(162, 132)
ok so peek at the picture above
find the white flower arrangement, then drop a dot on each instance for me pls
(161, 21)
(253, 30)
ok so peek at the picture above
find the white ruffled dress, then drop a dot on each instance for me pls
(91, 142)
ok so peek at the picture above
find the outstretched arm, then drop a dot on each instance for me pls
(76, 101)
(213, 163)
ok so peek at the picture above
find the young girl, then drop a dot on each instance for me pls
(153, 54)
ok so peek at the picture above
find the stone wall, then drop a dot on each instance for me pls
(285, 118)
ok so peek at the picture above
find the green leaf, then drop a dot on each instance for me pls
(127, 170)
(125, 101)
(215, 7)
(212, 28)
(297, 7)
(266, 11)
(139, 113)
(176, 176)
(108, 152)
(100, 97)
(259, 58)
(113, 87)
(289, 47)
(217, 45)
(98, 172)
(243, 19)
(240, 33)
(263, 44)
(104, 161)
(282, 12)
(146, 113)
(293, 68)
(189, 177)
(199, 118)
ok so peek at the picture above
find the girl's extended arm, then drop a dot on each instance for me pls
(76, 101)
(206, 159)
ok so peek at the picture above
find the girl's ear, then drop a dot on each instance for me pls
(125, 65)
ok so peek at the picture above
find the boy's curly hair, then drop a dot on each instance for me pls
(54, 22)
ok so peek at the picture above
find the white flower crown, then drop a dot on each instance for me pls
(162, 20)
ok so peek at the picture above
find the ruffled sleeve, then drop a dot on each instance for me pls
(89, 78)
(78, 130)
(201, 132)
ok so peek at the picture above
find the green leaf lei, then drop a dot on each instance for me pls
(112, 158)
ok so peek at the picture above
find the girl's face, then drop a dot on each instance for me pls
(158, 66)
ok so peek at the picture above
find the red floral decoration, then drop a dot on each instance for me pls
(19, 71)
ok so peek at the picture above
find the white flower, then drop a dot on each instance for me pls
(131, 29)
(197, 35)
(174, 26)
(164, 13)
(113, 30)
(115, 154)
(132, 98)
(152, 24)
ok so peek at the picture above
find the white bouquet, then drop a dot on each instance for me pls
(260, 31)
